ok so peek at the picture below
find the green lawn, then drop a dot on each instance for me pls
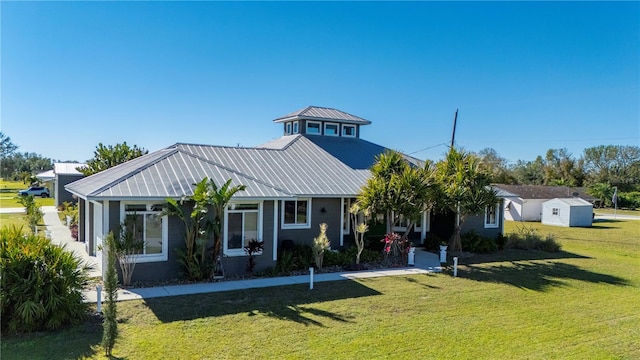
(9, 191)
(581, 303)
(609, 211)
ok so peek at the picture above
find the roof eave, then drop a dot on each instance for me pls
(313, 118)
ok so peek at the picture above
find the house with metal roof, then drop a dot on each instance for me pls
(308, 176)
(524, 202)
(56, 179)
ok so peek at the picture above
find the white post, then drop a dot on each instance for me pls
(455, 266)
(311, 278)
(412, 256)
(99, 298)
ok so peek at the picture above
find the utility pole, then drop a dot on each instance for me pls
(453, 135)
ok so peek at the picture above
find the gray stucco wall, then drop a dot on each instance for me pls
(330, 216)
(82, 204)
(60, 194)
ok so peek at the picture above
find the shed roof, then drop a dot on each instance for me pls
(322, 113)
(571, 201)
(545, 192)
(67, 168)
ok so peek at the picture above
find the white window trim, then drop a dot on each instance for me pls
(296, 226)
(555, 211)
(496, 208)
(346, 205)
(349, 126)
(319, 127)
(415, 227)
(147, 258)
(337, 129)
(287, 128)
(225, 232)
(295, 128)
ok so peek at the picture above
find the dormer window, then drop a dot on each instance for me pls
(287, 129)
(295, 127)
(348, 131)
(331, 129)
(313, 127)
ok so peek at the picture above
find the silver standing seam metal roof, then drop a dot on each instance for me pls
(322, 113)
(290, 167)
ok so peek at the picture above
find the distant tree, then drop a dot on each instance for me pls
(496, 166)
(105, 157)
(529, 172)
(17, 164)
(603, 192)
(618, 165)
(561, 168)
(7, 147)
(466, 189)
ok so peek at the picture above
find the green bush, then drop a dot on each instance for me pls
(41, 283)
(432, 242)
(629, 200)
(475, 243)
(526, 238)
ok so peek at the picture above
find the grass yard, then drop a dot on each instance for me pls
(581, 303)
(13, 219)
(9, 191)
(609, 211)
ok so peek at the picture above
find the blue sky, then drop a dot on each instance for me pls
(525, 76)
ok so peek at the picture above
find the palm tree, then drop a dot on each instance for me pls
(466, 189)
(396, 188)
(219, 198)
(603, 192)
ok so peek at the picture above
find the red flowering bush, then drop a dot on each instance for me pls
(395, 249)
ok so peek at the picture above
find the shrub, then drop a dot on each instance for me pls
(287, 262)
(475, 243)
(41, 283)
(33, 210)
(74, 231)
(252, 249)
(395, 249)
(526, 238)
(110, 324)
(432, 242)
(304, 256)
(320, 244)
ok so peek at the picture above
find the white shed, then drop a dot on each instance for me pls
(567, 212)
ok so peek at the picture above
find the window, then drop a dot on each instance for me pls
(287, 128)
(555, 211)
(401, 224)
(295, 127)
(331, 129)
(149, 230)
(348, 131)
(313, 127)
(346, 217)
(296, 214)
(243, 224)
(491, 216)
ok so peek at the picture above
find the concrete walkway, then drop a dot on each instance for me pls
(61, 235)
(425, 263)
